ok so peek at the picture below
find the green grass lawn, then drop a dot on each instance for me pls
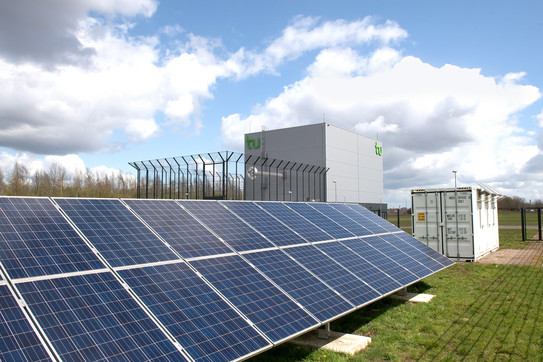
(480, 312)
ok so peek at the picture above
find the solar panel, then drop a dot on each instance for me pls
(424, 249)
(92, 317)
(205, 325)
(374, 218)
(299, 224)
(226, 225)
(431, 264)
(310, 292)
(18, 341)
(349, 211)
(336, 230)
(333, 274)
(205, 280)
(117, 234)
(176, 226)
(36, 240)
(341, 219)
(266, 224)
(364, 248)
(273, 312)
(361, 267)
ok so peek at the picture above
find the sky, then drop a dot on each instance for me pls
(445, 86)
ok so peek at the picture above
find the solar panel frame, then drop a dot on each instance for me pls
(207, 327)
(277, 315)
(304, 287)
(295, 221)
(178, 228)
(226, 225)
(92, 317)
(273, 229)
(18, 340)
(120, 237)
(36, 240)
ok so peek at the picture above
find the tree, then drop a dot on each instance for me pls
(18, 182)
(2, 184)
(57, 175)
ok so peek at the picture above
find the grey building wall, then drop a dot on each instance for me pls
(355, 162)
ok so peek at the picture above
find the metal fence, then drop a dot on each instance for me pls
(525, 228)
(229, 176)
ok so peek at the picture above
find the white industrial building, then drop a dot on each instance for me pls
(352, 163)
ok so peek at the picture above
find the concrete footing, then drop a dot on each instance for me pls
(414, 297)
(338, 342)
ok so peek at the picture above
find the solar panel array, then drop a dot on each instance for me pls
(104, 279)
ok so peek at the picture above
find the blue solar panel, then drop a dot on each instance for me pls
(349, 211)
(333, 228)
(424, 249)
(414, 253)
(266, 224)
(226, 225)
(398, 255)
(117, 234)
(183, 232)
(18, 341)
(363, 248)
(310, 292)
(360, 267)
(341, 219)
(217, 305)
(92, 317)
(36, 240)
(333, 274)
(275, 314)
(205, 325)
(374, 217)
(299, 224)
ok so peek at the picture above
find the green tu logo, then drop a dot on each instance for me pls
(378, 149)
(252, 144)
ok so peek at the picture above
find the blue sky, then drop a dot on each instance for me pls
(446, 85)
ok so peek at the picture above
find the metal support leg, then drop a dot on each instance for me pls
(402, 291)
(325, 332)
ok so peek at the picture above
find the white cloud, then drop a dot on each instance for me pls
(308, 34)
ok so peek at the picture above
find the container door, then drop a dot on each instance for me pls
(457, 220)
(426, 214)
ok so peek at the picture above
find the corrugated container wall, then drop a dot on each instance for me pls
(461, 223)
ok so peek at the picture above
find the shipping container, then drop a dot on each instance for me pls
(460, 223)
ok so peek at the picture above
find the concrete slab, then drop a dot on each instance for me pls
(414, 297)
(338, 342)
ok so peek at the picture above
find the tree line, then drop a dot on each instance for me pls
(516, 203)
(57, 182)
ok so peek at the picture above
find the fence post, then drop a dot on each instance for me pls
(523, 223)
(539, 223)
